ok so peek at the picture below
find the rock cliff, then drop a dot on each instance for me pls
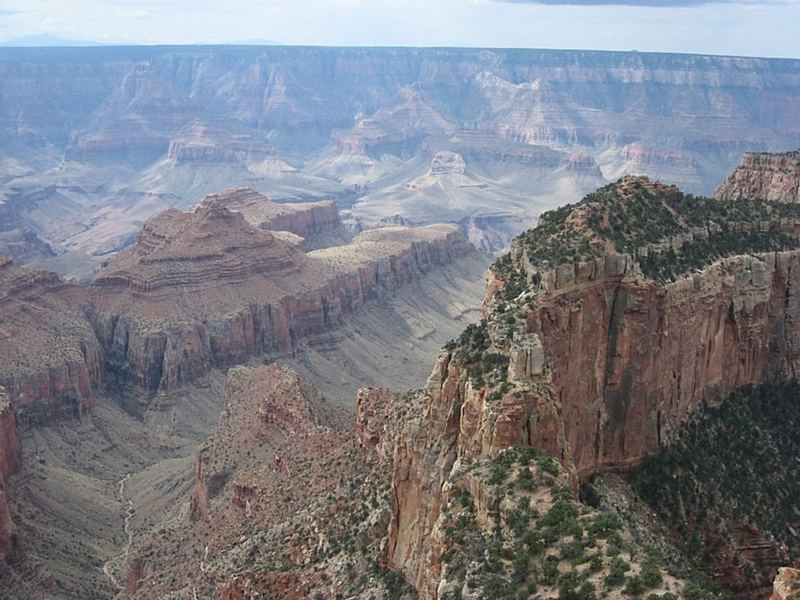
(10, 458)
(605, 328)
(315, 222)
(766, 176)
(207, 288)
(50, 358)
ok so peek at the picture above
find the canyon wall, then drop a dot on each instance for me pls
(50, 358)
(766, 176)
(624, 364)
(605, 365)
(207, 288)
(145, 128)
(10, 459)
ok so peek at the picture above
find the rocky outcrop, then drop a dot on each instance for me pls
(198, 507)
(10, 447)
(787, 584)
(10, 458)
(313, 221)
(766, 176)
(50, 358)
(207, 288)
(372, 430)
(286, 484)
(590, 361)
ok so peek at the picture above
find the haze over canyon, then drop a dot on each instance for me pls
(96, 140)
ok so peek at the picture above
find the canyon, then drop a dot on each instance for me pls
(215, 402)
(126, 372)
(525, 461)
(99, 140)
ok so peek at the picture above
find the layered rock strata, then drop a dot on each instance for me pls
(766, 176)
(207, 288)
(313, 221)
(50, 358)
(589, 352)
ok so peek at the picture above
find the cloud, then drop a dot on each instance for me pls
(648, 3)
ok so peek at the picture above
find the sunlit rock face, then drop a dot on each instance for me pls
(766, 176)
(209, 287)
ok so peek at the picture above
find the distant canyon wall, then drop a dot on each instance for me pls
(654, 108)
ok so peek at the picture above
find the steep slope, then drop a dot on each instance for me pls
(206, 288)
(726, 489)
(290, 502)
(604, 329)
(282, 497)
(10, 458)
(764, 175)
(50, 358)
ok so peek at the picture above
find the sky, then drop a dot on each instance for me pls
(731, 27)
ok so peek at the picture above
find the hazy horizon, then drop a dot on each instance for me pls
(762, 28)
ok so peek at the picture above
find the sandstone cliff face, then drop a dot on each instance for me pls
(604, 366)
(207, 288)
(765, 176)
(630, 360)
(50, 358)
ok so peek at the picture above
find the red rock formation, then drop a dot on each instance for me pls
(50, 358)
(625, 361)
(207, 288)
(371, 426)
(10, 457)
(10, 447)
(198, 508)
(766, 176)
(313, 221)
(605, 366)
(281, 491)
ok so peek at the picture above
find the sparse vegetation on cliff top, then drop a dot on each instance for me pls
(670, 233)
(528, 536)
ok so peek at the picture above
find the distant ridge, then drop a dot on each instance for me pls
(46, 40)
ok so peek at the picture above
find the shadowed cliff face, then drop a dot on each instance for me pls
(521, 131)
(584, 355)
